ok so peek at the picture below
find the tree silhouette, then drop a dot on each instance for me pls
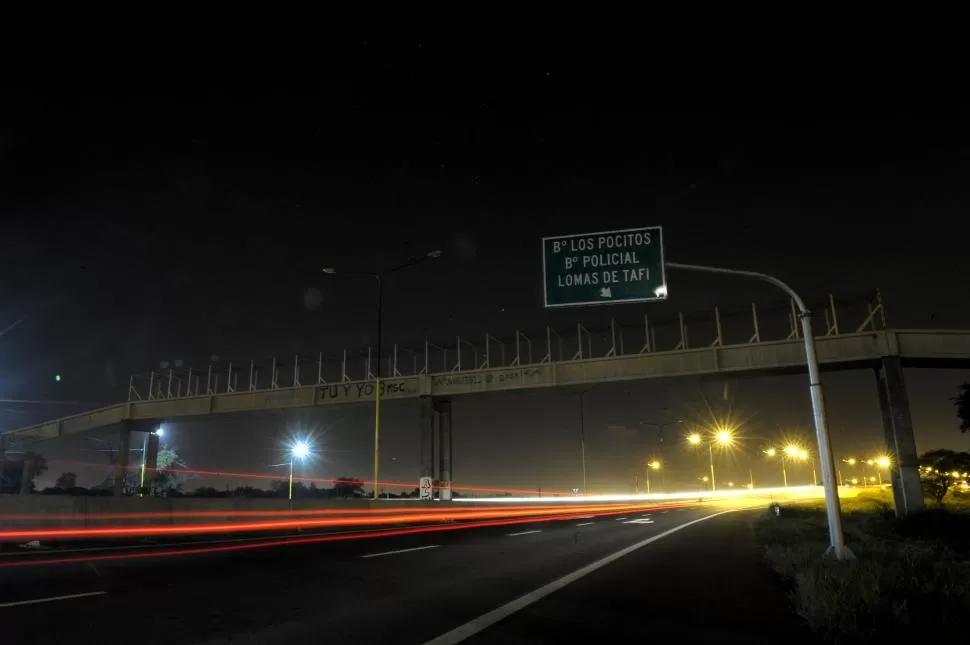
(962, 403)
(940, 468)
(66, 480)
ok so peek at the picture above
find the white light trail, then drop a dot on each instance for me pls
(799, 491)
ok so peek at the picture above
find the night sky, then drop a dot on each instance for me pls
(170, 205)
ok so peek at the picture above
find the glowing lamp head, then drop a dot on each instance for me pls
(694, 438)
(300, 450)
(724, 437)
(883, 462)
(792, 450)
(771, 452)
(655, 465)
(803, 454)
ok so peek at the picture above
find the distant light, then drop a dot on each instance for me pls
(694, 438)
(792, 450)
(435, 254)
(883, 462)
(661, 291)
(803, 454)
(57, 377)
(771, 452)
(160, 431)
(330, 270)
(301, 449)
(724, 437)
(655, 465)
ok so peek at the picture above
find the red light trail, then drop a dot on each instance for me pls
(296, 541)
(408, 516)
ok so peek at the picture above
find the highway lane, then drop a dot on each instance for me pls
(407, 588)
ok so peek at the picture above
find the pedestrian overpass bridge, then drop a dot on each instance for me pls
(869, 348)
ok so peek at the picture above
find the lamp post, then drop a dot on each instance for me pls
(879, 464)
(379, 276)
(791, 451)
(771, 452)
(660, 431)
(804, 456)
(654, 465)
(299, 451)
(722, 437)
(582, 436)
(836, 536)
(852, 461)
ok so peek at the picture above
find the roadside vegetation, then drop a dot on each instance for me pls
(910, 578)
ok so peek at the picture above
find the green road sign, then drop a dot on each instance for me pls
(604, 268)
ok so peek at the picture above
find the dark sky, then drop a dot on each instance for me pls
(161, 203)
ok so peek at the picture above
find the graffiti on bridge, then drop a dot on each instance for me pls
(363, 391)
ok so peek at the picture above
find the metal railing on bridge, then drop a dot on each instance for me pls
(751, 325)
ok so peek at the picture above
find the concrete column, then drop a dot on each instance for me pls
(443, 410)
(900, 442)
(121, 466)
(427, 437)
(150, 461)
(27, 474)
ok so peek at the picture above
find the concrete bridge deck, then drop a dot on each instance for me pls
(914, 347)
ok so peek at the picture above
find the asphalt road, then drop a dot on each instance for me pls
(692, 574)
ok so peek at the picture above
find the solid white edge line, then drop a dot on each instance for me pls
(486, 620)
(416, 548)
(585, 523)
(523, 533)
(37, 601)
(621, 518)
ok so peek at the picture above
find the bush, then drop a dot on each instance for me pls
(911, 578)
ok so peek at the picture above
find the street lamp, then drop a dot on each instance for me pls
(791, 451)
(772, 452)
(582, 435)
(653, 465)
(852, 461)
(722, 437)
(300, 450)
(883, 462)
(804, 456)
(379, 276)
(660, 431)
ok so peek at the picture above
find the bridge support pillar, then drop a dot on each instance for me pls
(427, 437)
(897, 424)
(442, 408)
(121, 465)
(27, 475)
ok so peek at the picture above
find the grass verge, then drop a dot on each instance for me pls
(910, 579)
